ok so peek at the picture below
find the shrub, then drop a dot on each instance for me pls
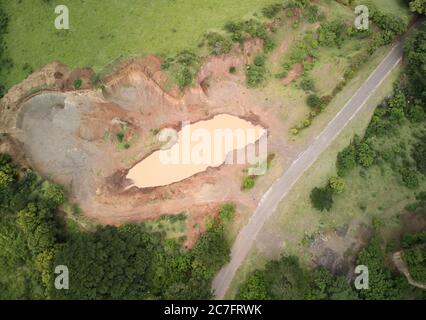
(227, 212)
(256, 72)
(322, 198)
(218, 44)
(409, 178)
(77, 83)
(313, 101)
(346, 160)
(337, 184)
(120, 136)
(248, 183)
(232, 70)
(268, 45)
(259, 60)
(307, 84)
(272, 10)
(184, 77)
(365, 155)
(312, 14)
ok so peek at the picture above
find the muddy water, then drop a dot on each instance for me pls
(194, 148)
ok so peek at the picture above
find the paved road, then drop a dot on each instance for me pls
(281, 186)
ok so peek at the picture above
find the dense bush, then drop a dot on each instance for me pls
(346, 160)
(415, 258)
(307, 84)
(322, 198)
(286, 279)
(272, 10)
(218, 44)
(248, 183)
(184, 77)
(313, 101)
(419, 154)
(256, 72)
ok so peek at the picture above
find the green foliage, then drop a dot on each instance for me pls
(268, 45)
(126, 262)
(409, 177)
(256, 72)
(53, 195)
(5, 62)
(248, 183)
(8, 172)
(415, 258)
(326, 286)
(418, 6)
(218, 44)
(419, 155)
(307, 84)
(232, 70)
(313, 101)
(337, 184)
(184, 77)
(286, 279)
(322, 198)
(255, 287)
(272, 10)
(346, 160)
(77, 83)
(415, 58)
(227, 212)
(365, 154)
(382, 284)
(312, 14)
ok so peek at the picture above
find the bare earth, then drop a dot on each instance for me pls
(70, 136)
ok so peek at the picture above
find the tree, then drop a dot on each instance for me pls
(322, 198)
(313, 101)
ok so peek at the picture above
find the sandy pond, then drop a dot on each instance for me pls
(196, 147)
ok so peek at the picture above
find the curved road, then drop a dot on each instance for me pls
(282, 185)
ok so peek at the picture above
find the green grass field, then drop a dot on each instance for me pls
(102, 31)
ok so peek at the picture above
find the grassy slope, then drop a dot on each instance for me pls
(103, 31)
